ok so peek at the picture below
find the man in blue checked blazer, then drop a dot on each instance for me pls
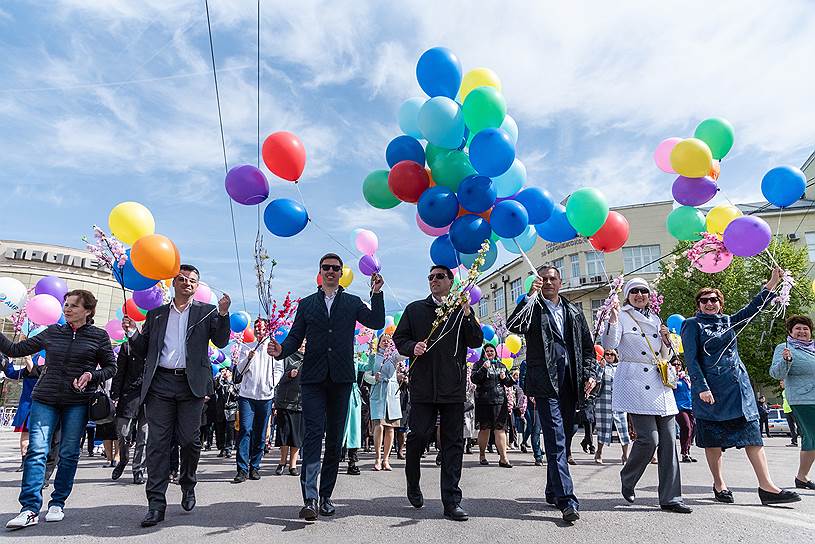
(327, 320)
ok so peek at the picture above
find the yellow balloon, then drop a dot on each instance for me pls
(676, 342)
(719, 217)
(347, 277)
(129, 221)
(813, 287)
(513, 343)
(478, 77)
(692, 158)
(507, 362)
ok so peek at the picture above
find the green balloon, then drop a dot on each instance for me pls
(431, 152)
(450, 168)
(587, 210)
(718, 134)
(494, 237)
(484, 107)
(376, 192)
(494, 341)
(528, 283)
(686, 223)
(397, 317)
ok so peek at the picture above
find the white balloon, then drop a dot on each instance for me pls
(13, 295)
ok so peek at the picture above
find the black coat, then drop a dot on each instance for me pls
(126, 385)
(489, 387)
(204, 324)
(440, 375)
(287, 393)
(330, 340)
(541, 378)
(68, 355)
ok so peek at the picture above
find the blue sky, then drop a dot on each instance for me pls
(102, 102)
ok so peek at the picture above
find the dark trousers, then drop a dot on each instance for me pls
(451, 446)
(764, 422)
(132, 432)
(793, 428)
(325, 409)
(90, 433)
(687, 424)
(171, 409)
(556, 415)
(224, 435)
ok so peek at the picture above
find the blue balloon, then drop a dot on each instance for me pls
(509, 219)
(511, 181)
(538, 203)
(438, 206)
(404, 148)
(674, 323)
(442, 252)
(489, 332)
(526, 240)
(468, 232)
(783, 185)
(439, 72)
(467, 259)
(476, 193)
(281, 333)
(132, 279)
(409, 116)
(442, 122)
(285, 217)
(238, 321)
(557, 228)
(492, 152)
(62, 320)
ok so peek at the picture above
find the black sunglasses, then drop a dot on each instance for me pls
(705, 300)
(639, 291)
(439, 276)
(334, 267)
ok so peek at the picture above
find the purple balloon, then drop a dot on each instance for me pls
(694, 191)
(247, 185)
(52, 285)
(472, 355)
(747, 236)
(475, 294)
(149, 299)
(369, 265)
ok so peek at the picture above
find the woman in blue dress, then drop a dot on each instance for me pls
(29, 374)
(386, 405)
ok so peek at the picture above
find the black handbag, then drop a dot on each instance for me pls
(100, 407)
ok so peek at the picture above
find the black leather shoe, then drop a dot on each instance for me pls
(570, 514)
(677, 508)
(800, 484)
(254, 474)
(188, 499)
(309, 511)
(353, 470)
(415, 497)
(504, 465)
(782, 497)
(138, 478)
(153, 517)
(326, 507)
(725, 496)
(117, 472)
(456, 513)
(239, 478)
(628, 494)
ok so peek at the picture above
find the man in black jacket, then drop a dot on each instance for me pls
(327, 320)
(437, 386)
(131, 421)
(177, 377)
(560, 372)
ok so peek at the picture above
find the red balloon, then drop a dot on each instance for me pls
(248, 335)
(131, 310)
(284, 155)
(612, 235)
(319, 280)
(407, 180)
(599, 351)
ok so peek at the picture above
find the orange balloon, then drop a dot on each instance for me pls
(155, 256)
(486, 215)
(390, 329)
(430, 175)
(716, 170)
(248, 335)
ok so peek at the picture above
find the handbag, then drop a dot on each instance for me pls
(100, 407)
(666, 370)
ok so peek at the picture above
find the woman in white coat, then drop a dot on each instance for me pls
(639, 337)
(386, 406)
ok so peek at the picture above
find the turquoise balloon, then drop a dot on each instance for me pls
(489, 258)
(511, 181)
(510, 127)
(587, 210)
(526, 240)
(409, 117)
(450, 168)
(441, 122)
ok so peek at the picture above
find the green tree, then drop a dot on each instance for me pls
(739, 283)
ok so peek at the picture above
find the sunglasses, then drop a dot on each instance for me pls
(334, 267)
(439, 276)
(639, 291)
(710, 300)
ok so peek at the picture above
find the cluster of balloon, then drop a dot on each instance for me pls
(366, 243)
(285, 157)
(240, 323)
(42, 309)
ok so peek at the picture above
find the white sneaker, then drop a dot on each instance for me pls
(55, 513)
(26, 518)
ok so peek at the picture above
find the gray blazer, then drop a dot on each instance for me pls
(798, 374)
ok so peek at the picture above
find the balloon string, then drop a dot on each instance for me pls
(258, 109)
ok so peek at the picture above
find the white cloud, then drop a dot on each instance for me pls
(362, 215)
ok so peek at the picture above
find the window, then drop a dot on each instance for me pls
(595, 266)
(483, 307)
(810, 239)
(499, 299)
(638, 256)
(558, 263)
(575, 261)
(595, 305)
(515, 287)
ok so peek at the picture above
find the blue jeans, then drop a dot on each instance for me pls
(42, 421)
(254, 416)
(533, 430)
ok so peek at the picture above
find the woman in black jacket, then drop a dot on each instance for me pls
(491, 407)
(68, 379)
(288, 406)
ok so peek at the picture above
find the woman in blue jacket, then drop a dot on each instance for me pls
(723, 400)
(794, 362)
(29, 375)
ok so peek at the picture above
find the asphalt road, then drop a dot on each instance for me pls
(505, 505)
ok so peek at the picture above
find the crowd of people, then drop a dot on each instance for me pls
(319, 401)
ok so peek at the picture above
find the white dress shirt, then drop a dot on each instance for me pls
(557, 312)
(329, 301)
(174, 350)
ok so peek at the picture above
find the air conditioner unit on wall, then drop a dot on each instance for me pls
(596, 279)
(493, 285)
(583, 280)
(504, 278)
(793, 237)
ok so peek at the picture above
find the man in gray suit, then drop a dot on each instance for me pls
(177, 377)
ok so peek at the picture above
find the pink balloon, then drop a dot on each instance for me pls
(364, 338)
(503, 352)
(43, 309)
(430, 231)
(366, 242)
(203, 293)
(662, 155)
(709, 265)
(115, 330)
